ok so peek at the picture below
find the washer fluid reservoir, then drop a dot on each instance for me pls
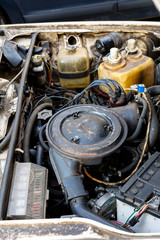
(128, 68)
(73, 66)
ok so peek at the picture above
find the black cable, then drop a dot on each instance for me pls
(8, 171)
(122, 90)
(80, 98)
(50, 93)
(58, 97)
(117, 89)
(101, 82)
(94, 100)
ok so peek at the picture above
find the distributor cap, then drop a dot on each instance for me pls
(86, 132)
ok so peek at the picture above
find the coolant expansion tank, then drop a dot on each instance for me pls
(127, 69)
(73, 67)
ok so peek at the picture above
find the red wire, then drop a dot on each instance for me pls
(142, 211)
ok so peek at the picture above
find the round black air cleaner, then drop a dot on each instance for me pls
(86, 133)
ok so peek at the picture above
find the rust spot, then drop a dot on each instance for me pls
(68, 130)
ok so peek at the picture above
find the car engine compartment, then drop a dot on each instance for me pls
(79, 132)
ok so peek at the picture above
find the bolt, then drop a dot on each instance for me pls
(108, 128)
(76, 115)
(75, 140)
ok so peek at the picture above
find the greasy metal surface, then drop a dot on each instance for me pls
(86, 132)
(96, 26)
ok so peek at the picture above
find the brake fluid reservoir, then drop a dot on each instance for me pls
(73, 67)
(128, 68)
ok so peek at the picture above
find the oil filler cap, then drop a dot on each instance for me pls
(86, 133)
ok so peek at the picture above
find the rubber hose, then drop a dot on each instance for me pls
(28, 130)
(8, 171)
(6, 139)
(154, 90)
(33, 152)
(80, 208)
(39, 155)
(141, 120)
(154, 128)
(41, 138)
(132, 165)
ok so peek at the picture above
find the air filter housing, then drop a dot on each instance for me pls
(86, 133)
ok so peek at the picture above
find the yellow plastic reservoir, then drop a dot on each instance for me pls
(73, 67)
(133, 68)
